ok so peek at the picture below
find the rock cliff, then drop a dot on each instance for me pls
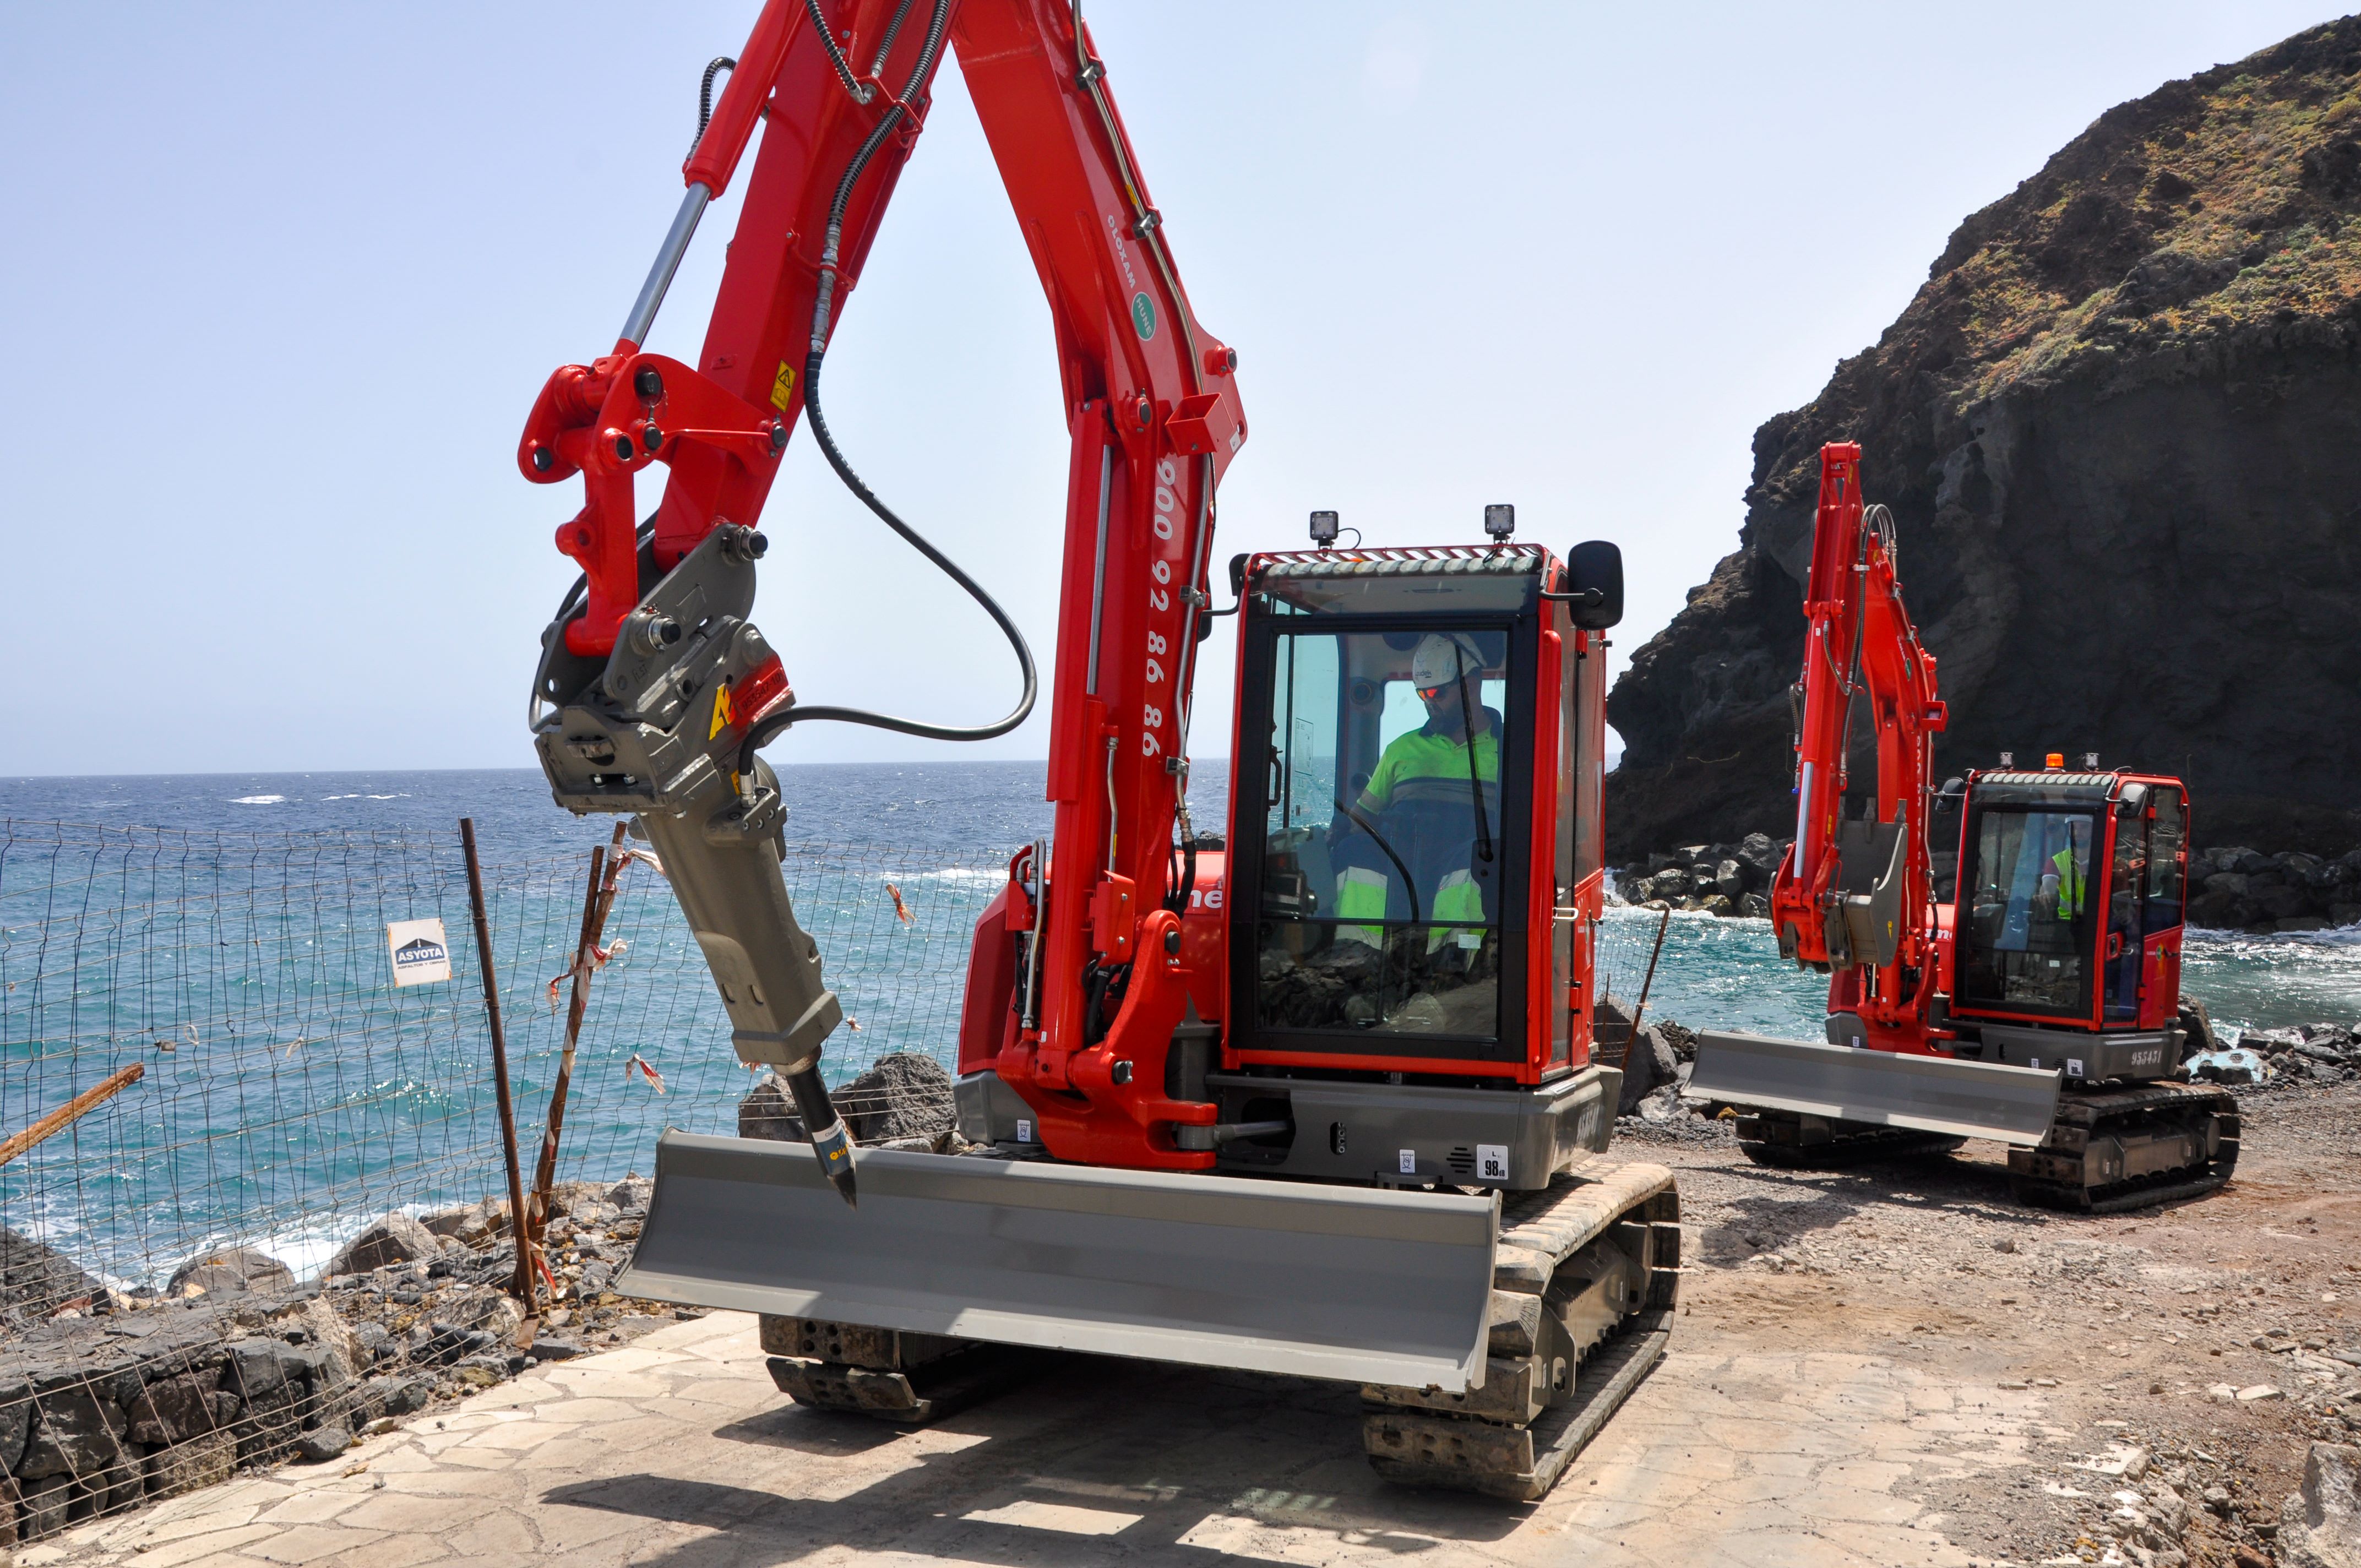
(2120, 429)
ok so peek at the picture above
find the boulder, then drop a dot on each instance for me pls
(268, 1425)
(1729, 880)
(395, 1239)
(1761, 854)
(1715, 904)
(467, 1225)
(185, 1466)
(175, 1410)
(36, 1280)
(15, 1421)
(768, 1113)
(900, 1095)
(1647, 1067)
(323, 1443)
(230, 1271)
(258, 1367)
(313, 1322)
(398, 1394)
(630, 1195)
(77, 1434)
(42, 1510)
(2319, 1525)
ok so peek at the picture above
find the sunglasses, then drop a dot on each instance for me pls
(1430, 693)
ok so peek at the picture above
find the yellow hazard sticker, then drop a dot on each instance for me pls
(783, 388)
(720, 712)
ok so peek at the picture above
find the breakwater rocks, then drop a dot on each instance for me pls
(109, 1400)
(2242, 890)
(1718, 879)
(2230, 889)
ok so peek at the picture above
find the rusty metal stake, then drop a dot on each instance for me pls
(605, 865)
(522, 1284)
(1640, 1009)
(71, 1110)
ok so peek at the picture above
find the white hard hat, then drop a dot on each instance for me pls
(1439, 660)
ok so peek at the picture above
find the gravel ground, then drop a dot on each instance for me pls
(2187, 1353)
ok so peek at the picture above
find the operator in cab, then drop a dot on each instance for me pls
(1450, 851)
(1448, 672)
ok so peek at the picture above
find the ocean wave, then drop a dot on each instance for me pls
(258, 800)
(959, 873)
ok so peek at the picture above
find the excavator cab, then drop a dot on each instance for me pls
(1412, 723)
(2070, 915)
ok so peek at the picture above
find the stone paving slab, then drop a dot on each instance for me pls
(677, 1453)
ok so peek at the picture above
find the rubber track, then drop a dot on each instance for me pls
(1851, 1149)
(2092, 1112)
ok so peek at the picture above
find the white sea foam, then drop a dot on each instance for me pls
(258, 799)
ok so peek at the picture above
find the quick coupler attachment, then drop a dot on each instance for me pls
(829, 1138)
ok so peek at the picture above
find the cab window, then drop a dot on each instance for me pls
(1384, 842)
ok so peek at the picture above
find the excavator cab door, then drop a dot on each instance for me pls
(1381, 852)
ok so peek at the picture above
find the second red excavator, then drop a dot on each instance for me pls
(2041, 1005)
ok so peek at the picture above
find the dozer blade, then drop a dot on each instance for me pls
(1934, 1094)
(1358, 1284)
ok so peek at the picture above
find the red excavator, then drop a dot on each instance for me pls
(1316, 1096)
(2042, 1005)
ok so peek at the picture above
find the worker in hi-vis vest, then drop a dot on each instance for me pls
(2064, 884)
(1459, 743)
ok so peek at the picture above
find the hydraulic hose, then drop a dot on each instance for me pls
(714, 67)
(769, 729)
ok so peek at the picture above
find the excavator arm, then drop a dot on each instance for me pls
(1857, 895)
(655, 689)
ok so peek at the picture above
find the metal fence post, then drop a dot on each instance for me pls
(522, 1284)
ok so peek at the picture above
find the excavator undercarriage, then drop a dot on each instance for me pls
(1585, 1279)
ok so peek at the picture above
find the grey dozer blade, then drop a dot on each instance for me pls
(652, 730)
(1364, 1284)
(1886, 1089)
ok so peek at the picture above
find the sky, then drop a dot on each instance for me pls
(284, 281)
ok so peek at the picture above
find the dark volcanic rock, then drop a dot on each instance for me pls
(900, 1095)
(36, 1280)
(2120, 429)
(767, 1112)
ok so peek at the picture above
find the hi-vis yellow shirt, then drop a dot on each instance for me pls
(1423, 754)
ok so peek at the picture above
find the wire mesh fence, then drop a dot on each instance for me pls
(289, 1096)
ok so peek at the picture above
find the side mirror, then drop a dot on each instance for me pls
(1238, 576)
(1594, 572)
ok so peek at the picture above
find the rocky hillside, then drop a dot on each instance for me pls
(2120, 429)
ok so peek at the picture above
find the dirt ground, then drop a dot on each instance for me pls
(2139, 1329)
